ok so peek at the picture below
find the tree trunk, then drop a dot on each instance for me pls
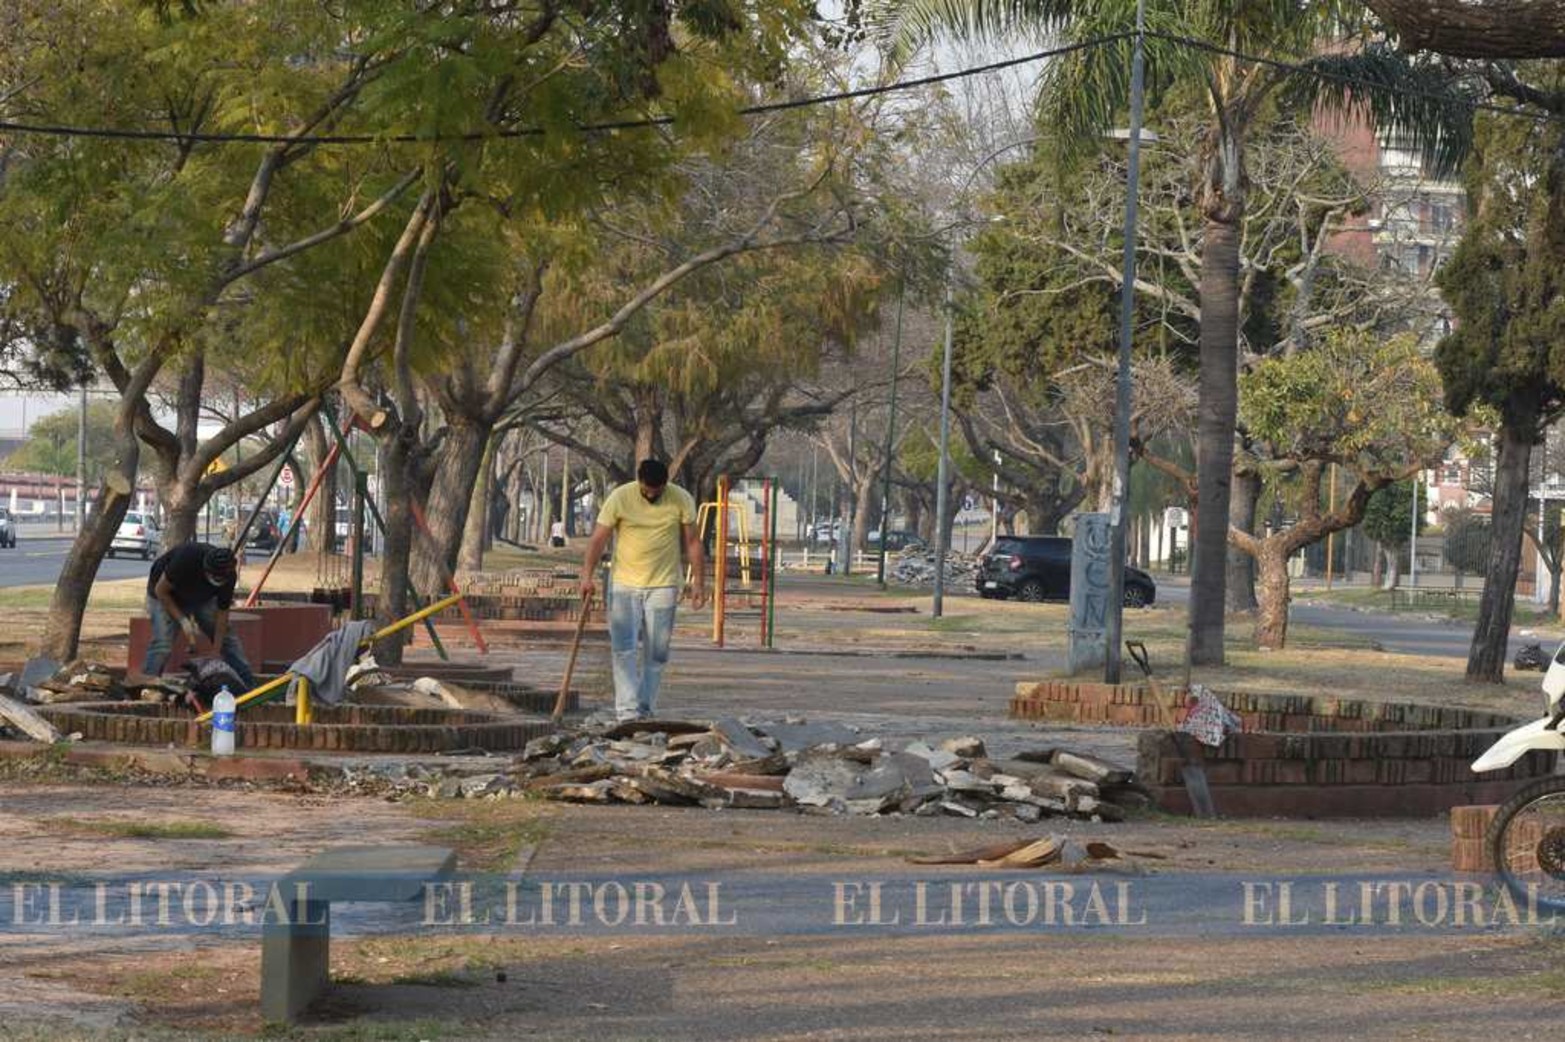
(402, 448)
(1486, 659)
(1377, 563)
(863, 507)
(1241, 566)
(1554, 591)
(182, 505)
(1507, 29)
(1045, 511)
(62, 630)
(456, 467)
(476, 532)
(1271, 617)
(323, 509)
(916, 518)
(1217, 407)
(1393, 570)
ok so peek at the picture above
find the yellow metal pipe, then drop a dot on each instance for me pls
(418, 616)
(302, 711)
(401, 624)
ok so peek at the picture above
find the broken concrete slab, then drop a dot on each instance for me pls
(756, 799)
(939, 759)
(797, 737)
(592, 792)
(629, 728)
(741, 744)
(820, 779)
(36, 670)
(967, 747)
(1099, 772)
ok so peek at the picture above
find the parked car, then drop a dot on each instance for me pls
(7, 528)
(895, 540)
(138, 534)
(343, 525)
(1038, 568)
(825, 533)
(264, 533)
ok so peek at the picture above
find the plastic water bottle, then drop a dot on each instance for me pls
(223, 723)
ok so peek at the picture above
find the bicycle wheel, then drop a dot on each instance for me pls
(1526, 841)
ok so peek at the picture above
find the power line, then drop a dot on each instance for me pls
(1295, 66)
(115, 133)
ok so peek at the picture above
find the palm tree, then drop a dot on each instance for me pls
(1223, 49)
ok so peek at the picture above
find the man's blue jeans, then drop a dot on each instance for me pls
(644, 616)
(164, 628)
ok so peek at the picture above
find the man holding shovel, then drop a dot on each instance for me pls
(649, 520)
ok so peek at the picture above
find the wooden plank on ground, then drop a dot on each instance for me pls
(27, 721)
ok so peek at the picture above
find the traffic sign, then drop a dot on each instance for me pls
(285, 479)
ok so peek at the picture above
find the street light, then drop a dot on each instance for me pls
(1112, 660)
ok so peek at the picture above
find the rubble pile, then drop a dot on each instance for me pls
(819, 768)
(915, 566)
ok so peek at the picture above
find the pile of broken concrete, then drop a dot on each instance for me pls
(819, 767)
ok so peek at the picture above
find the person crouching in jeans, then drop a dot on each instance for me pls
(192, 587)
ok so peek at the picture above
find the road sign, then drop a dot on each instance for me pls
(285, 479)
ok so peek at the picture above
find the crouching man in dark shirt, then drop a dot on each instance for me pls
(192, 587)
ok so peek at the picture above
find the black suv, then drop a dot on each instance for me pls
(1038, 568)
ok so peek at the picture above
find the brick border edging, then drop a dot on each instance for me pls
(363, 729)
(1301, 755)
(1134, 705)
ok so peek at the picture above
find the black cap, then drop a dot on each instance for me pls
(219, 561)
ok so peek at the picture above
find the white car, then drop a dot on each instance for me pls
(138, 534)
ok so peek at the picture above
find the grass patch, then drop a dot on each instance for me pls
(144, 829)
(486, 834)
(108, 595)
(959, 623)
(436, 979)
(1510, 985)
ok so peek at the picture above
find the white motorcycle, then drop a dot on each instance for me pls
(1526, 839)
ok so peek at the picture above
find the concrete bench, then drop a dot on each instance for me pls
(296, 948)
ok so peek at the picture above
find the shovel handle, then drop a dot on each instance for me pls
(570, 663)
(1138, 652)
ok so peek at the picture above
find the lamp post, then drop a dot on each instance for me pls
(1113, 660)
(891, 426)
(994, 503)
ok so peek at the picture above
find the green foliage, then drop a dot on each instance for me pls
(1505, 281)
(1467, 538)
(1387, 517)
(1366, 402)
(51, 443)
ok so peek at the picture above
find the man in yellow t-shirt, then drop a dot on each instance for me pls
(649, 520)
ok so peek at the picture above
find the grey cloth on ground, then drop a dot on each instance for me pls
(326, 665)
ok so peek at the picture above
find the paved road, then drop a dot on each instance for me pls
(1403, 634)
(37, 559)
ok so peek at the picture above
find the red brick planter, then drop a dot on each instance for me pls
(360, 729)
(1301, 755)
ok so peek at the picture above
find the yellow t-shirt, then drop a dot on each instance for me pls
(647, 535)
